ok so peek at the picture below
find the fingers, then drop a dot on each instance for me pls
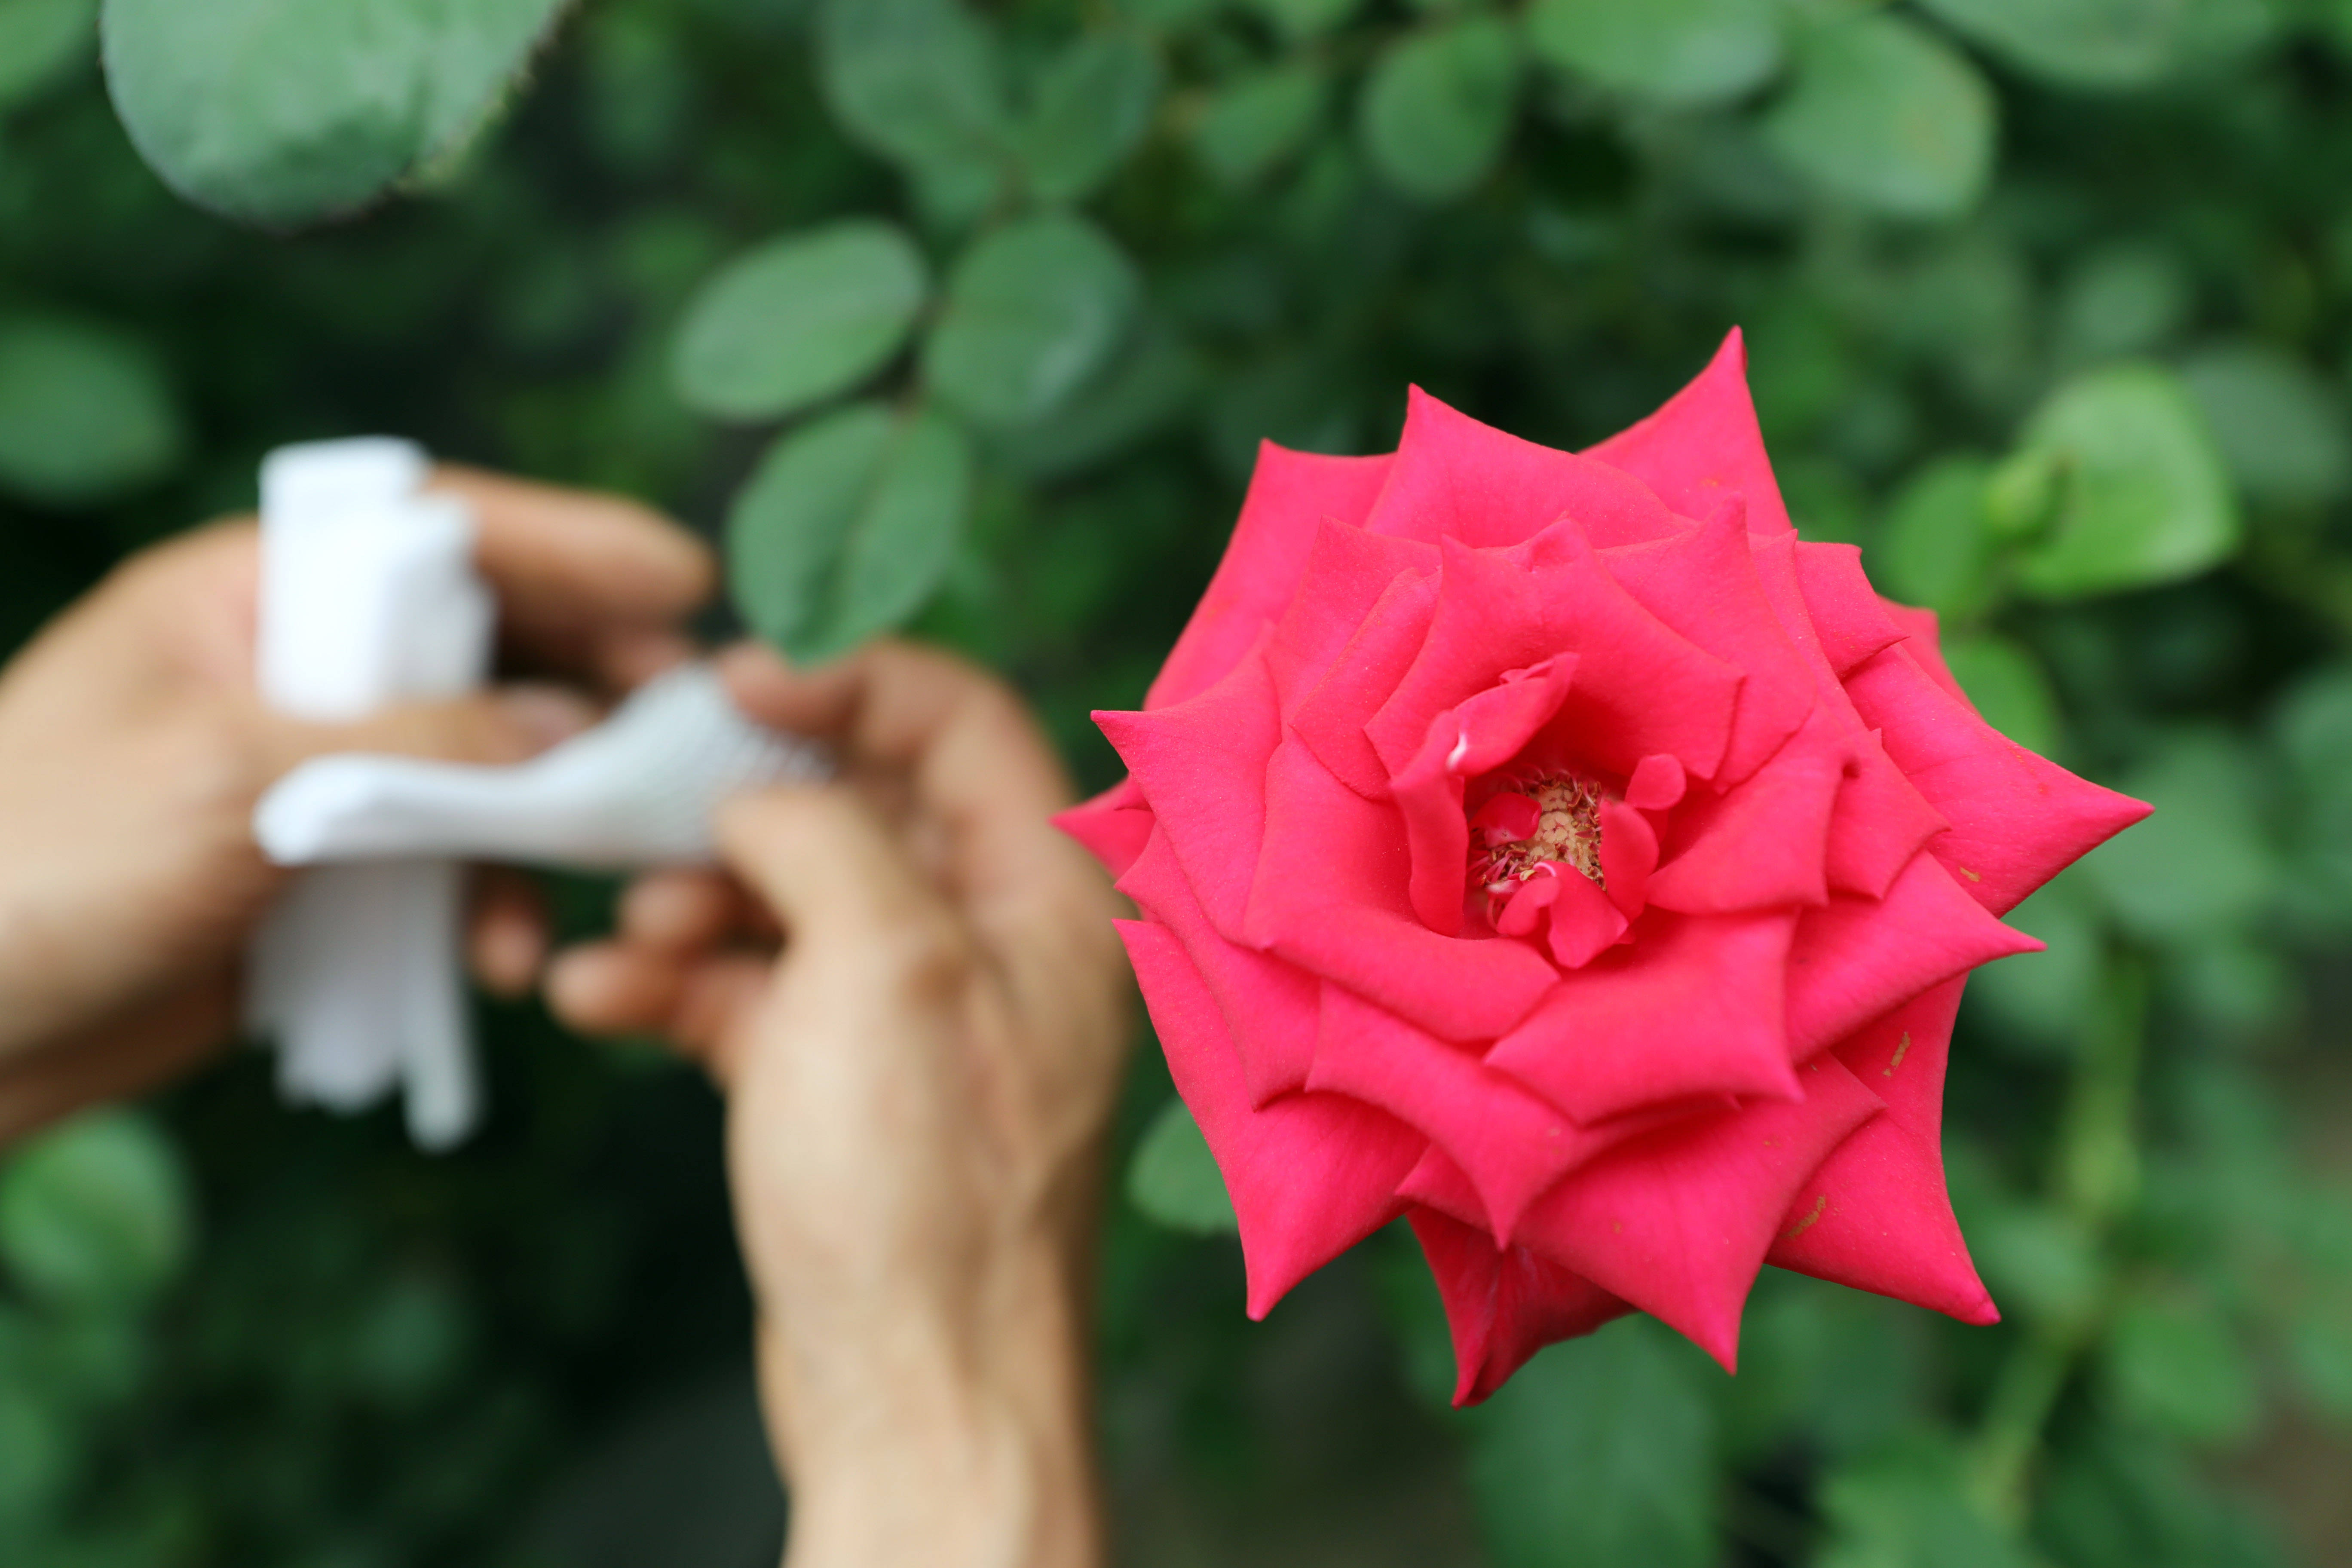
(511, 724)
(591, 582)
(507, 937)
(693, 1002)
(843, 890)
(152, 1045)
(968, 748)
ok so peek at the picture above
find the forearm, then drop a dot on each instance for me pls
(947, 1440)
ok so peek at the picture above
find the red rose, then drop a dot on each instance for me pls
(1556, 850)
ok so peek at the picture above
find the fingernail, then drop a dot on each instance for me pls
(547, 713)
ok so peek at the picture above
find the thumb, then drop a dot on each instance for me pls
(835, 880)
(510, 724)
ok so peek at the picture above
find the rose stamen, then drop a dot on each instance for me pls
(1550, 820)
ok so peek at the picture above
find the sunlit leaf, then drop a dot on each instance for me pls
(1032, 311)
(1673, 51)
(38, 39)
(1932, 548)
(1255, 120)
(95, 1210)
(2203, 863)
(2111, 43)
(846, 527)
(798, 318)
(2280, 428)
(917, 81)
(1092, 104)
(1908, 1507)
(279, 111)
(1887, 115)
(1174, 1177)
(2144, 498)
(1438, 105)
(86, 413)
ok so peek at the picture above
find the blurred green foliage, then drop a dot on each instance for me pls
(975, 312)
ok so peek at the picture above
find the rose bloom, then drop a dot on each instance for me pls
(1556, 850)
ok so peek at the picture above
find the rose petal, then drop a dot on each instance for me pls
(1678, 1222)
(1456, 479)
(1200, 764)
(1855, 959)
(1926, 645)
(1347, 574)
(1510, 1143)
(1847, 613)
(1310, 1174)
(1331, 896)
(1657, 783)
(2017, 819)
(1584, 923)
(1702, 584)
(1476, 737)
(1270, 1009)
(1879, 824)
(1640, 687)
(1289, 494)
(1876, 1215)
(1502, 1305)
(1113, 826)
(1703, 445)
(1764, 844)
(1694, 1007)
(1629, 853)
(1331, 717)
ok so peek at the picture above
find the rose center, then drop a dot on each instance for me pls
(1550, 820)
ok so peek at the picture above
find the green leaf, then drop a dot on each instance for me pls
(1679, 52)
(2280, 428)
(2145, 497)
(1092, 105)
(1599, 1452)
(96, 1210)
(1174, 1177)
(1033, 310)
(2037, 1260)
(1297, 19)
(2202, 864)
(798, 320)
(2007, 684)
(39, 39)
(917, 81)
(85, 413)
(1887, 115)
(846, 527)
(1933, 548)
(1255, 122)
(1438, 105)
(2109, 44)
(2044, 1000)
(1908, 1507)
(1146, 386)
(2174, 1364)
(279, 111)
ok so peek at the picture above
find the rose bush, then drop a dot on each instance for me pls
(1555, 849)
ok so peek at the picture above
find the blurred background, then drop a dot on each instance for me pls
(2049, 306)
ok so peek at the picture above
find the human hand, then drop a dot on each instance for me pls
(918, 1087)
(133, 746)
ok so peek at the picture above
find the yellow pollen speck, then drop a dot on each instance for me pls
(1901, 1047)
(1819, 1205)
(1616, 1228)
(1971, 876)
